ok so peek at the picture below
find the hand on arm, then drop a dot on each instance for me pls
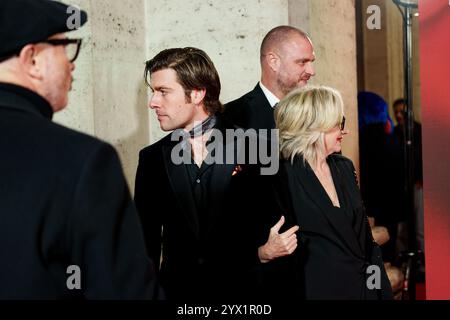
(278, 245)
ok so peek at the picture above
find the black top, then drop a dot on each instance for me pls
(344, 196)
(200, 179)
(335, 245)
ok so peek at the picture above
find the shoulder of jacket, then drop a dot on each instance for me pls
(155, 147)
(338, 158)
(73, 139)
(243, 100)
(345, 162)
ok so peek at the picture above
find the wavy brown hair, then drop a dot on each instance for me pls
(194, 70)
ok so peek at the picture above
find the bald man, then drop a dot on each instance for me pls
(287, 57)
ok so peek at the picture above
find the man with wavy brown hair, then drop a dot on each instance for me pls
(188, 208)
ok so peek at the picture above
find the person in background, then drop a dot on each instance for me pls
(380, 168)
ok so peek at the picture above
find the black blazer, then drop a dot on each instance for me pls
(335, 246)
(64, 201)
(252, 110)
(193, 268)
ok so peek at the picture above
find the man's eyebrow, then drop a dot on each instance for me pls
(159, 88)
(305, 60)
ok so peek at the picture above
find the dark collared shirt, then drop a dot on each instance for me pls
(200, 178)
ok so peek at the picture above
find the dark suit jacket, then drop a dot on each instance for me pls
(335, 246)
(193, 268)
(64, 201)
(252, 110)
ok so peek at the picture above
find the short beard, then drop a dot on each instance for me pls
(284, 88)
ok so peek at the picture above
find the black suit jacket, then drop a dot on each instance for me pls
(252, 110)
(193, 268)
(335, 247)
(64, 201)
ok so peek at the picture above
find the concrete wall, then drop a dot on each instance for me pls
(109, 99)
(230, 32)
(333, 30)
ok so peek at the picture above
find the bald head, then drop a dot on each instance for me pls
(287, 57)
(278, 37)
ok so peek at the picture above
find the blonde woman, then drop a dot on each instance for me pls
(316, 188)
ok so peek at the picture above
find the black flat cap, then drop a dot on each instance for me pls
(29, 21)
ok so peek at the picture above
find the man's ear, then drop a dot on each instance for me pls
(29, 61)
(273, 60)
(197, 95)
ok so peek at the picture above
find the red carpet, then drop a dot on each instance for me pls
(421, 291)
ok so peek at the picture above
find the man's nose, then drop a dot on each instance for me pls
(152, 104)
(310, 69)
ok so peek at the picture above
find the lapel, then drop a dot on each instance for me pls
(219, 183)
(316, 193)
(345, 190)
(181, 187)
(263, 109)
(220, 179)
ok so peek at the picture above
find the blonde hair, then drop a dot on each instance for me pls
(303, 117)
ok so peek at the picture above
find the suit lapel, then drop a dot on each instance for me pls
(346, 190)
(182, 189)
(338, 222)
(220, 181)
(264, 111)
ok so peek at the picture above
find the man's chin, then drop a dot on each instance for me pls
(165, 128)
(59, 107)
(302, 83)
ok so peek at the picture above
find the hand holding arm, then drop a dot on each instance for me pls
(278, 245)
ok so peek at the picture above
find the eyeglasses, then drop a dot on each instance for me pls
(72, 46)
(342, 125)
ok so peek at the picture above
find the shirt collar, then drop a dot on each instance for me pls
(198, 131)
(203, 127)
(273, 100)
